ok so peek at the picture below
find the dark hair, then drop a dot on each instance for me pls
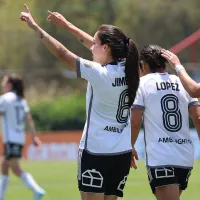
(17, 84)
(151, 54)
(122, 48)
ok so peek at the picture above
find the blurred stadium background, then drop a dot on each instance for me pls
(57, 98)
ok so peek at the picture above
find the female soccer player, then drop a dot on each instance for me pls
(14, 111)
(165, 105)
(190, 85)
(113, 79)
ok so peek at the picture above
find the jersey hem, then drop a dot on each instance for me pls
(107, 154)
(177, 166)
(194, 103)
(138, 106)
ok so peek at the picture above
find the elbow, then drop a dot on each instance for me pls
(62, 54)
(197, 121)
(195, 92)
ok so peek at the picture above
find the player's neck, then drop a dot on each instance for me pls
(160, 71)
(109, 59)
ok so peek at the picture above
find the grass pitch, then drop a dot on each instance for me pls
(59, 180)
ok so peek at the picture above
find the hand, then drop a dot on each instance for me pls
(27, 17)
(134, 158)
(171, 58)
(57, 19)
(37, 142)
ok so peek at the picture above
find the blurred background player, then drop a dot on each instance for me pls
(15, 111)
(192, 87)
(113, 81)
(165, 105)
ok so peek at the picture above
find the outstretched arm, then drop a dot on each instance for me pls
(192, 87)
(61, 22)
(52, 44)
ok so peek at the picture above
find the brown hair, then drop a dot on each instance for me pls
(17, 84)
(151, 54)
(122, 48)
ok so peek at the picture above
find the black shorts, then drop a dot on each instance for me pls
(12, 150)
(103, 174)
(164, 176)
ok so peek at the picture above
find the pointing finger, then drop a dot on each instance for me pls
(52, 14)
(26, 8)
(49, 17)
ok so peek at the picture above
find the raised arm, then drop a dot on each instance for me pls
(52, 44)
(192, 87)
(61, 22)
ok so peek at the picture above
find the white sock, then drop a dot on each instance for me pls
(30, 183)
(4, 180)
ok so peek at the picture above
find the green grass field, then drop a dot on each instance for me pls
(59, 180)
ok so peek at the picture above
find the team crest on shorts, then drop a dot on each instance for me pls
(92, 178)
(122, 184)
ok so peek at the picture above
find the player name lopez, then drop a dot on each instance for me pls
(120, 82)
(167, 86)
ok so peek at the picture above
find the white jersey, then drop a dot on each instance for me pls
(106, 129)
(13, 110)
(167, 136)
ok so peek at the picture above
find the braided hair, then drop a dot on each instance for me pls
(151, 54)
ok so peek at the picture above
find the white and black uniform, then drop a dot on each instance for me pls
(106, 134)
(13, 110)
(168, 144)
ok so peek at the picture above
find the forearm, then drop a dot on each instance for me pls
(196, 123)
(194, 112)
(32, 129)
(32, 132)
(198, 130)
(56, 47)
(134, 135)
(190, 85)
(82, 36)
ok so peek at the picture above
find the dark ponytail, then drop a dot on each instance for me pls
(123, 48)
(132, 70)
(17, 85)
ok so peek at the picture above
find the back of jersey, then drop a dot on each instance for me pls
(13, 111)
(165, 103)
(106, 130)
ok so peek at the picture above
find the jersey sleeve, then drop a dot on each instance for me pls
(192, 102)
(2, 105)
(91, 71)
(26, 107)
(139, 99)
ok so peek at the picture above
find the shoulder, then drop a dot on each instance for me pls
(146, 78)
(174, 77)
(88, 63)
(24, 101)
(8, 96)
